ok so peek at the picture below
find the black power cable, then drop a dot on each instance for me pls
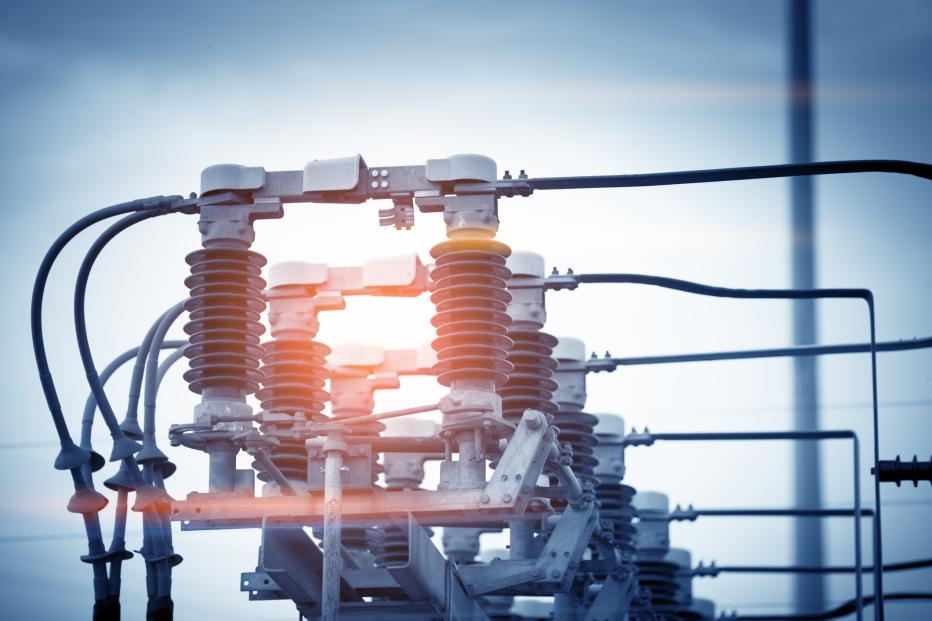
(828, 569)
(786, 294)
(124, 448)
(843, 610)
(71, 457)
(917, 169)
(778, 352)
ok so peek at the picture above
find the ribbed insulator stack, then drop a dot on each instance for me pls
(294, 366)
(225, 306)
(652, 540)
(402, 471)
(531, 384)
(295, 374)
(615, 505)
(461, 544)
(577, 428)
(701, 609)
(393, 549)
(472, 321)
(615, 498)
(352, 390)
(684, 588)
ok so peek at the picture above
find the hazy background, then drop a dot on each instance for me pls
(107, 101)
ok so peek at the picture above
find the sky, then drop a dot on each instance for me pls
(103, 102)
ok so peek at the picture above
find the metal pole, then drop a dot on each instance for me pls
(809, 589)
(333, 560)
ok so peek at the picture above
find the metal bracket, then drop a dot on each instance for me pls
(504, 497)
(356, 472)
(554, 570)
(614, 599)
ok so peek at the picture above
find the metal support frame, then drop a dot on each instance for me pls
(426, 588)
(506, 495)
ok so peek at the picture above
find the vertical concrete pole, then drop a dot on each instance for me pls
(809, 588)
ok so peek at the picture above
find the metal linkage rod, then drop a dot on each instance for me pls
(382, 415)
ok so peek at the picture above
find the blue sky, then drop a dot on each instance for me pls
(107, 101)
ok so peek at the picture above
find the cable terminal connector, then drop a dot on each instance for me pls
(557, 281)
(605, 364)
(705, 571)
(679, 514)
(639, 439)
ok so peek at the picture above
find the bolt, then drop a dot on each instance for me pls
(504, 477)
(384, 184)
(533, 420)
(484, 499)
(384, 172)
(375, 185)
(506, 497)
(555, 573)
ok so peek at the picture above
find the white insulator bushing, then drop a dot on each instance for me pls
(611, 466)
(526, 264)
(680, 557)
(652, 530)
(462, 167)
(397, 271)
(461, 543)
(569, 349)
(332, 175)
(222, 177)
(704, 607)
(684, 580)
(407, 426)
(491, 554)
(351, 355)
(654, 503)
(611, 427)
(297, 273)
(525, 608)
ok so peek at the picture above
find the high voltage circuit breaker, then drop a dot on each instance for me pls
(517, 450)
